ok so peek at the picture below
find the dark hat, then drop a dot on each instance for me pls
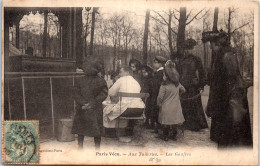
(213, 36)
(160, 59)
(92, 65)
(189, 44)
(171, 72)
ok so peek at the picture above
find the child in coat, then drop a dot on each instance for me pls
(147, 87)
(168, 100)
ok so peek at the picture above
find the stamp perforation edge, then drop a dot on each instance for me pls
(3, 142)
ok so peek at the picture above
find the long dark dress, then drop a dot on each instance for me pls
(93, 90)
(192, 77)
(227, 104)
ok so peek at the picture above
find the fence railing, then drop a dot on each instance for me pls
(38, 86)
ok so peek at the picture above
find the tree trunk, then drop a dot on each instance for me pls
(181, 30)
(92, 31)
(115, 57)
(126, 50)
(229, 23)
(215, 27)
(147, 16)
(215, 22)
(170, 34)
(44, 34)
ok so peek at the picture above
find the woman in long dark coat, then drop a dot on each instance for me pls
(90, 91)
(227, 104)
(192, 77)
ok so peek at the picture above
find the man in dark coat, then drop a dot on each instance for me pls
(192, 77)
(158, 64)
(90, 91)
(227, 104)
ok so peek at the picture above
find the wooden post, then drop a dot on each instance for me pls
(52, 109)
(79, 39)
(74, 31)
(6, 41)
(17, 37)
(70, 36)
(61, 29)
(24, 101)
(9, 102)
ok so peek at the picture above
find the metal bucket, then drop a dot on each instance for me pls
(64, 130)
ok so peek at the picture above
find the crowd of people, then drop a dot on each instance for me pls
(174, 103)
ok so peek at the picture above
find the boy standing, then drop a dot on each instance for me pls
(158, 64)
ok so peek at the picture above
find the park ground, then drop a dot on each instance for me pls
(67, 152)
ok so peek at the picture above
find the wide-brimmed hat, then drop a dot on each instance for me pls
(215, 36)
(171, 72)
(160, 59)
(189, 44)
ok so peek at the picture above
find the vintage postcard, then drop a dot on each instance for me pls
(143, 82)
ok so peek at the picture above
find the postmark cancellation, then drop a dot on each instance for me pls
(20, 142)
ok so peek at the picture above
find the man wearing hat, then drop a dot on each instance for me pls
(227, 104)
(192, 77)
(158, 64)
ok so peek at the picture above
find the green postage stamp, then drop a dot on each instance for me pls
(20, 142)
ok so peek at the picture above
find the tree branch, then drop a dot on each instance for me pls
(175, 16)
(161, 17)
(160, 42)
(176, 10)
(166, 13)
(195, 16)
(174, 31)
(189, 14)
(239, 27)
(157, 20)
(203, 15)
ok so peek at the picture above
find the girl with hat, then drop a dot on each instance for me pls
(168, 100)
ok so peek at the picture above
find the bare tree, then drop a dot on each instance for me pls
(86, 31)
(215, 22)
(228, 23)
(95, 10)
(146, 29)
(114, 32)
(163, 21)
(183, 21)
(206, 27)
(128, 32)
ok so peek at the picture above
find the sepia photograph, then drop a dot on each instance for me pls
(130, 83)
